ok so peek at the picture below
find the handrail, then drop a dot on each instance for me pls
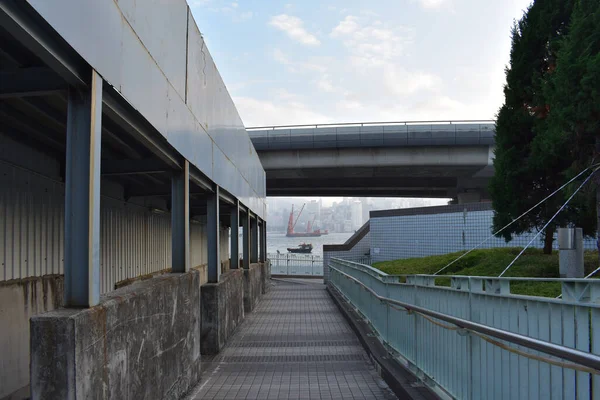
(576, 356)
(342, 124)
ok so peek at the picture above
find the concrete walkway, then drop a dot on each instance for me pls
(296, 345)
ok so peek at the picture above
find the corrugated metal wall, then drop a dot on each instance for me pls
(133, 240)
(31, 224)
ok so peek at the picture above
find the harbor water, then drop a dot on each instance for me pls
(278, 241)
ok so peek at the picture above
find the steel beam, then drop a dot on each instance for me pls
(199, 179)
(33, 81)
(132, 167)
(120, 112)
(212, 227)
(246, 240)
(234, 261)
(254, 240)
(180, 220)
(261, 250)
(82, 195)
(32, 31)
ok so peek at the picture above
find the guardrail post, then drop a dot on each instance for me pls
(583, 292)
(497, 286)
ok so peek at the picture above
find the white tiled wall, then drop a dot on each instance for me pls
(408, 236)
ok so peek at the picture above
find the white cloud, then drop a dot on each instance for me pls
(294, 28)
(297, 67)
(255, 112)
(433, 4)
(371, 43)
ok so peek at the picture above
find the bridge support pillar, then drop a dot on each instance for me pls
(469, 197)
(82, 195)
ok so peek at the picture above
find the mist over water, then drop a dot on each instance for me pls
(278, 241)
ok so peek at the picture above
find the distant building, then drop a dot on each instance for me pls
(356, 212)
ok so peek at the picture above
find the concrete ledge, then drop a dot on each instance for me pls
(141, 341)
(403, 382)
(252, 286)
(222, 310)
(265, 277)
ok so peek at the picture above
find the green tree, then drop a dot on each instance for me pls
(524, 176)
(573, 92)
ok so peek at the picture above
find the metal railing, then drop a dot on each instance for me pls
(466, 121)
(289, 264)
(475, 339)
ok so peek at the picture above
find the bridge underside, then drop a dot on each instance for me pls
(441, 172)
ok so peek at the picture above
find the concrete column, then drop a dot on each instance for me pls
(246, 240)
(180, 220)
(212, 227)
(82, 195)
(234, 261)
(254, 240)
(469, 197)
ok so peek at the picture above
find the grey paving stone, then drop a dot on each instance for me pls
(295, 345)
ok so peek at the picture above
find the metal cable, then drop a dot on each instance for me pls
(548, 223)
(516, 219)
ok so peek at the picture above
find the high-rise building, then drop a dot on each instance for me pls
(356, 215)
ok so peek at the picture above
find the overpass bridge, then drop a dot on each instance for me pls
(445, 159)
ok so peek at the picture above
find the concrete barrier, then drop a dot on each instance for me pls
(141, 341)
(21, 299)
(222, 310)
(253, 286)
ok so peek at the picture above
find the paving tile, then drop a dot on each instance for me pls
(295, 345)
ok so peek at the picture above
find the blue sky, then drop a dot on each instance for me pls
(304, 62)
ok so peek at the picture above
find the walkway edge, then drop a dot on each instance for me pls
(403, 383)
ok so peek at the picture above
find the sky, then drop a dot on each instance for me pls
(336, 61)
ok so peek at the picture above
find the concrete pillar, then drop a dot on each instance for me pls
(254, 240)
(246, 240)
(82, 195)
(570, 253)
(469, 197)
(212, 227)
(180, 220)
(234, 261)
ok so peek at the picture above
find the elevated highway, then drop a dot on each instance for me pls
(445, 159)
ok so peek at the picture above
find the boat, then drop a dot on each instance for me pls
(303, 248)
(292, 225)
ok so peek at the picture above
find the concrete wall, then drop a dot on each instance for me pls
(141, 342)
(222, 310)
(253, 286)
(426, 231)
(20, 300)
(134, 242)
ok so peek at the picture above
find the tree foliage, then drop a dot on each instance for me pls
(573, 92)
(523, 174)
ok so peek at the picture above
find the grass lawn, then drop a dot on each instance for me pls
(491, 262)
